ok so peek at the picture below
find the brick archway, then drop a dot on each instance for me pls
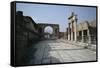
(55, 28)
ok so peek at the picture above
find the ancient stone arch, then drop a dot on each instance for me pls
(55, 27)
(48, 29)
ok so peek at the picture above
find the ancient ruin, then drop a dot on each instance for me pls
(86, 32)
(72, 29)
(41, 27)
(34, 46)
(83, 32)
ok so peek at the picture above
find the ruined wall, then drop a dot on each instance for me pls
(55, 28)
(86, 32)
(26, 34)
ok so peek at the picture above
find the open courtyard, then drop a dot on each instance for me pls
(59, 51)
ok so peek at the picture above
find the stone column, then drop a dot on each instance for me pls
(69, 32)
(73, 19)
(82, 37)
(75, 28)
(89, 36)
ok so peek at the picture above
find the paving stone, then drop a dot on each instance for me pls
(65, 57)
(59, 51)
(46, 61)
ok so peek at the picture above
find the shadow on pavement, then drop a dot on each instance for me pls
(39, 53)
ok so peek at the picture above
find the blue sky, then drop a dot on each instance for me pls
(56, 14)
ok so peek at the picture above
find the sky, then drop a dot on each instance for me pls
(56, 14)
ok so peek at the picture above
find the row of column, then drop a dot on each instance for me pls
(86, 37)
(72, 28)
(72, 33)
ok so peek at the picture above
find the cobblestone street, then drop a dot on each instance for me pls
(60, 51)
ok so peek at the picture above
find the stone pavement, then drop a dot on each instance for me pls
(60, 51)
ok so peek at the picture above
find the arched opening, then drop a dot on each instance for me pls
(48, 32)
